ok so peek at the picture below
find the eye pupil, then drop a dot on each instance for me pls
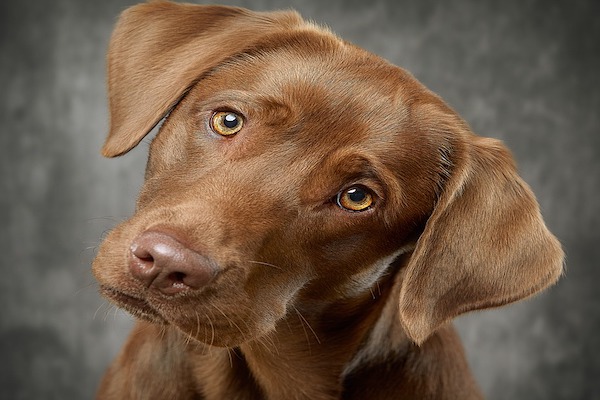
(230, 121)
(356, 195)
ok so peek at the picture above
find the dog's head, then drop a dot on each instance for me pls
(291, 169)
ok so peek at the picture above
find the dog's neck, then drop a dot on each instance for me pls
(323, 343)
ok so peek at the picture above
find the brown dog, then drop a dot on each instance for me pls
(311, 220)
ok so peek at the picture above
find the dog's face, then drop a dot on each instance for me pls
(295, 167)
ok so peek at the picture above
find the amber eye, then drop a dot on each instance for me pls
(226, 123)
(355, 198)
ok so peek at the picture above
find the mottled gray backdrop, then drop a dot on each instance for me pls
(524, 71)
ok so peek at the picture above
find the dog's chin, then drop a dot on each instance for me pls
(205, 327)
(136, 306)
(202, 328)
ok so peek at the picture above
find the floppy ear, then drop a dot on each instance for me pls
(159, 50)
(484, 245)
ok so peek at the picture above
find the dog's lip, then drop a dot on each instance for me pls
(135, 305)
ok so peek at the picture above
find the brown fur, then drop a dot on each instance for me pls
(309, 301)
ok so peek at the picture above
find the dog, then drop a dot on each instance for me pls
(312, 217)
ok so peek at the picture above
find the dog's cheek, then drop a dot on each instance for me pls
(349, 260)
(358, 283)
(272, 295)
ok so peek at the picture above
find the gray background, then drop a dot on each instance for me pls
(523, 71)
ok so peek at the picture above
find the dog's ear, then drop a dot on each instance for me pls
(484, 245)
(160, 49)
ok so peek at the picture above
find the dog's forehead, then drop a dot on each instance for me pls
(318, 71)
(342, 77)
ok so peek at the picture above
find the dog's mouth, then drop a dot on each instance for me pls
(136, 306)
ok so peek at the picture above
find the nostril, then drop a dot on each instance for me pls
(147, 259)
(177, 277)
(141, 253)
(142, 265)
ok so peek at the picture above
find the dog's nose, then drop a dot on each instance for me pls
(160, 261)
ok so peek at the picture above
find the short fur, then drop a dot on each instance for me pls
(308, 300)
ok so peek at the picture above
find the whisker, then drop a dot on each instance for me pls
(266, 264)
(267, 343)
(208, 346)
(212, 337)
(306, 336)
(105, 218)
(160, 334)
(188, 338)
(115, 313)
(230, 357)
(372, 293)
(104, 303)
(229, 320)
(84, 287)
(302, 319)
(197, 325)
(105, 316)
(107, 313)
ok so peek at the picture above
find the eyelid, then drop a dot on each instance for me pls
(371, 185)
(227, 100)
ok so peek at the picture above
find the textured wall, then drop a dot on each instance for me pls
(525, 72)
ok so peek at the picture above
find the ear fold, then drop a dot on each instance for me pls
(485, 244)
(159, 49)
